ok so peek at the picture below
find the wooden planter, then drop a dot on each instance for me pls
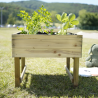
(52, 46)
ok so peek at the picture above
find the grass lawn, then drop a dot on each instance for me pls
(45, 77)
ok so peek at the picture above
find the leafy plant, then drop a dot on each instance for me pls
(67, 22)
(34, 22)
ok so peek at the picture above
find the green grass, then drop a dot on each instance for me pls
(45, 77)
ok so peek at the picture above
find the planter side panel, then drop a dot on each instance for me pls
(46, 45)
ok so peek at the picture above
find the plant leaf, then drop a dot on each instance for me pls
(58, 17)
(75, 22)
(71, 25)
(66, 25)
(63, 16)
(65, 19)
(71, 17)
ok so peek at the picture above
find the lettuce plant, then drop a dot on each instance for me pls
(67, 22)
(34, 22)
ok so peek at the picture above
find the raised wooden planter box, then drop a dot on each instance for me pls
(52, 46)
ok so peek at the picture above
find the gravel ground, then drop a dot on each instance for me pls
(88, 35)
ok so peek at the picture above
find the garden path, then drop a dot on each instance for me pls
(88, 35)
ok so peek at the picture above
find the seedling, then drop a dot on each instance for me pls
(67, 22)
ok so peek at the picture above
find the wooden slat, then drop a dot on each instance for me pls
(25, 36)
(61, 53)
(46, 44)
(22, 75)
(69, 74)
(59, 41)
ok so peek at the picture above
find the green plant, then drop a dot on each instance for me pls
(67, 22)
(34, 22)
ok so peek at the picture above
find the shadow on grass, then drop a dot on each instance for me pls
(60, 85)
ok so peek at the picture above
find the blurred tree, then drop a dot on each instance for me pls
(88, 20)
(53, 16)
(18, 22)
(11, 19)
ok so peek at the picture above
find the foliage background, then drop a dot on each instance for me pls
(11, 10)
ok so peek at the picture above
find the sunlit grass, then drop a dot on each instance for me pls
(45, 77)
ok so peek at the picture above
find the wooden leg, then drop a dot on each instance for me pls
(22, 63)
(69, 74)
(68, 63)
(76, 71)
(23, 68)
(17, 71)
